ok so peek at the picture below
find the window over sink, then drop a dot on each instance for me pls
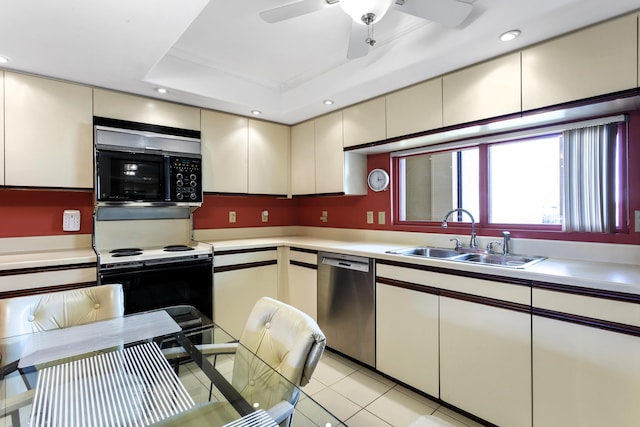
(566, 179)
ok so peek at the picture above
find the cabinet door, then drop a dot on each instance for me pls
(235, 292)
(303, 158)
(329, 154)
(414, 109)
(594, 61)
(485, 361)
(407, 336)
(583, 376)
(225, 140)
(268, 158)
(48, 133)
(365, 122)
(2, 128)
(133, 108)
(489, 89)
(302, 289)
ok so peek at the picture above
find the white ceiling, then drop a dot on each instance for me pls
(221, 55)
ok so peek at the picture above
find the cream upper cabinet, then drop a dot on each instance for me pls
(1, 127)
(329, 154)
(48, 133)
(489, 89)
(225, 150)
(116, 105)
(269, 151)
(303, 158)
(414, 109)
(365, 122)
(594, 61)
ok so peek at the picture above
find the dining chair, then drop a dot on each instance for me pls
(291, 344)
(40, 312)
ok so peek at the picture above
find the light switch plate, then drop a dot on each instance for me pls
(381, 217)
(265, 216)
(636, 221)
(232, 217)
(71, 220)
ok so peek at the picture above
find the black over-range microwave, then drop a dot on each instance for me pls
(146, 164)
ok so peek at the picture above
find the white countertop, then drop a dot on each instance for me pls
(48, 258)
(595, 275)
(588, 274)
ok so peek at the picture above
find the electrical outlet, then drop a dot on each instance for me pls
(369, 217)
(636, 221)
(71, 220)
(325, 216)
(381, 217)
(265, 216)
(232, 216)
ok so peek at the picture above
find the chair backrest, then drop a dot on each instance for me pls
(33, 313)
(288, 340)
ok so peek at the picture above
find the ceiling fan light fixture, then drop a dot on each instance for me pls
(361, 10)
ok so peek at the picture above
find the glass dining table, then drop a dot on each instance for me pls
(145, 369)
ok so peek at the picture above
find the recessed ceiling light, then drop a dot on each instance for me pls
(3, 59)
(256, 112)
(509, 35)
(327, 102)
(161, 90)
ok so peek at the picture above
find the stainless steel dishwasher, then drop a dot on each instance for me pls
(346, 304)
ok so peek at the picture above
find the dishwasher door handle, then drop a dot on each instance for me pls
(350, 265)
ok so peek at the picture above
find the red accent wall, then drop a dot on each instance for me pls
(214, 212)
(39, 212)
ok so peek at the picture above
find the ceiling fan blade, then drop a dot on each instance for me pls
(358, 47)
(293, 10)
(446, 12)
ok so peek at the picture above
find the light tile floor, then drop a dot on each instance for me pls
(358, 396)
(363, 398)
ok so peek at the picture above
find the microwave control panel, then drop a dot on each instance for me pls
(186, 179)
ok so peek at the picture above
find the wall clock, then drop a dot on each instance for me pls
(378, 179)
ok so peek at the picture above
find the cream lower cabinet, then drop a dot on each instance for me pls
(485, 361)
(407, 336)
(48, 133)
(301, 288)
(586, 361)
(240, 278)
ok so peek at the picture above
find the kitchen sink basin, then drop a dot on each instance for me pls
(428, 252)
(515, 261)
(476, 257)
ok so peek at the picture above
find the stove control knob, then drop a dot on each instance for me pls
(179, 183)
(179, 196)
(193, 196)
(179, 175)
(193, 177)
(193, 183)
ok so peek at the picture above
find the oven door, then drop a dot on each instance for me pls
(166, 285)
(131, 177)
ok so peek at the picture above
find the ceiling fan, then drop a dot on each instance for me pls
(365, 13)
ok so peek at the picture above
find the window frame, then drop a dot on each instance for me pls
(534, 231)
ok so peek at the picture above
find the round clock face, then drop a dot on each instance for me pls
(378, 179)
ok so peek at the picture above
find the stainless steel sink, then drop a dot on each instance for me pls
(428, 252)
(514, 261)
(475, 257)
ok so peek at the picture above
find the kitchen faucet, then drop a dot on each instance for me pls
(473, 243)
